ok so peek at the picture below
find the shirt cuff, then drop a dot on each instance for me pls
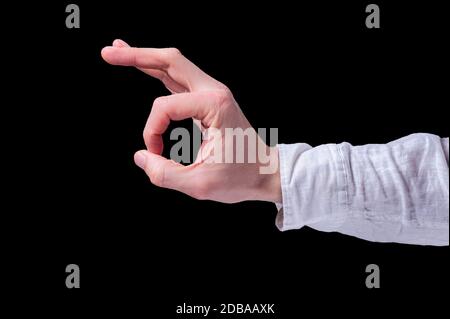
(313, 186)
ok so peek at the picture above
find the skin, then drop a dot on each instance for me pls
(210, 103)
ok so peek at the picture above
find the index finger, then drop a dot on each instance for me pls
(177, 107)
(169, 60)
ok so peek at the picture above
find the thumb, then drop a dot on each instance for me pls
(163, 172)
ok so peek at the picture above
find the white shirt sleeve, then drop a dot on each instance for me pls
(395, 192)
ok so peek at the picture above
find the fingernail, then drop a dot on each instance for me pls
(118, 43)
(123, 43)
(140, 159)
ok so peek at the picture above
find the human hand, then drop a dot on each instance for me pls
(211, 104)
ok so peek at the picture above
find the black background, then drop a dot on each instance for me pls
(312, 70)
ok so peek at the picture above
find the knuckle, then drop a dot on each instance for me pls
(159, 102)
(223, 97)
(172, 53)
(157, 106)
(156, 175)
(222, 86)
(145, 134)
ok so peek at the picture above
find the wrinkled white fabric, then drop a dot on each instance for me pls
(395, 192)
